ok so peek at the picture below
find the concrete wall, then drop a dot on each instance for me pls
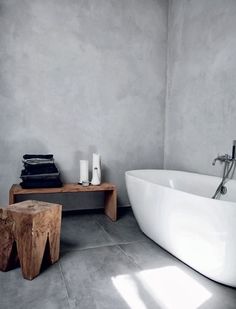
(78, 77)
(201, 90)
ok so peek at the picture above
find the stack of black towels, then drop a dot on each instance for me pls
(39, 171)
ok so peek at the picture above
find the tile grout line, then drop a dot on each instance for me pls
(102, 246)
(101, 226)
(88, 248)
(64, 281)
(127, 242)
(129, 258)
(116, 243)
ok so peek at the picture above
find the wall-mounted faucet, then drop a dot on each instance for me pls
(229, 163)
(222, 158)
(226, 157)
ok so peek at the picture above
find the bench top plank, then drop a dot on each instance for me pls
(69, 187)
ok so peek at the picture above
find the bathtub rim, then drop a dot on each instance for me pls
(216, 201)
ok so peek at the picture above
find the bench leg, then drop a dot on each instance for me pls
(111, 204)
(11, 197)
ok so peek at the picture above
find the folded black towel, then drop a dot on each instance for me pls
(40, 156)
(39, 176)
(37, 161)
(39, 169)
(41, 183)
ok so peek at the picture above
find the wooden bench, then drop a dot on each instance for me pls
(29, 231)
(108, 188)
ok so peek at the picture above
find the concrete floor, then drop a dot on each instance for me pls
(112, 265)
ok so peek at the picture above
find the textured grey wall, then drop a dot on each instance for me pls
(82, 76)
(201, 96)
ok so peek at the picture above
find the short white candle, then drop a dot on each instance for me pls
(84, 171)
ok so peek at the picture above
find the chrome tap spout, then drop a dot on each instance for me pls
(222, 158)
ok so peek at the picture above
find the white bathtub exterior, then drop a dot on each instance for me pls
(175, 210)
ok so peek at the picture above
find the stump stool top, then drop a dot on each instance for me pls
(32, 207)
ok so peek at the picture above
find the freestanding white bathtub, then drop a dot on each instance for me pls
(175, 210)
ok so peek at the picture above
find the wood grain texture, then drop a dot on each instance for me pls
(111, 204)
(70, 187)
(11, 197)
(31, 224)
(6, 239)
(108, 188)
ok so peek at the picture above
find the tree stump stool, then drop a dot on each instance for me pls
(29, 232)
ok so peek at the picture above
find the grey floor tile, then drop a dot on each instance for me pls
(83, 231)
(173, 276)
(124, 230)
(97, 274)
(47, 291)
(104, 278)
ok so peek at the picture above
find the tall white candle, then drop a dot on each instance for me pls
(84, 171)
(96, 177)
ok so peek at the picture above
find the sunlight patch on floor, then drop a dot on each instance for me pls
(169, 287)
(127, 286)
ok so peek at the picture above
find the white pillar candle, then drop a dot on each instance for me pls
(84, 171)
